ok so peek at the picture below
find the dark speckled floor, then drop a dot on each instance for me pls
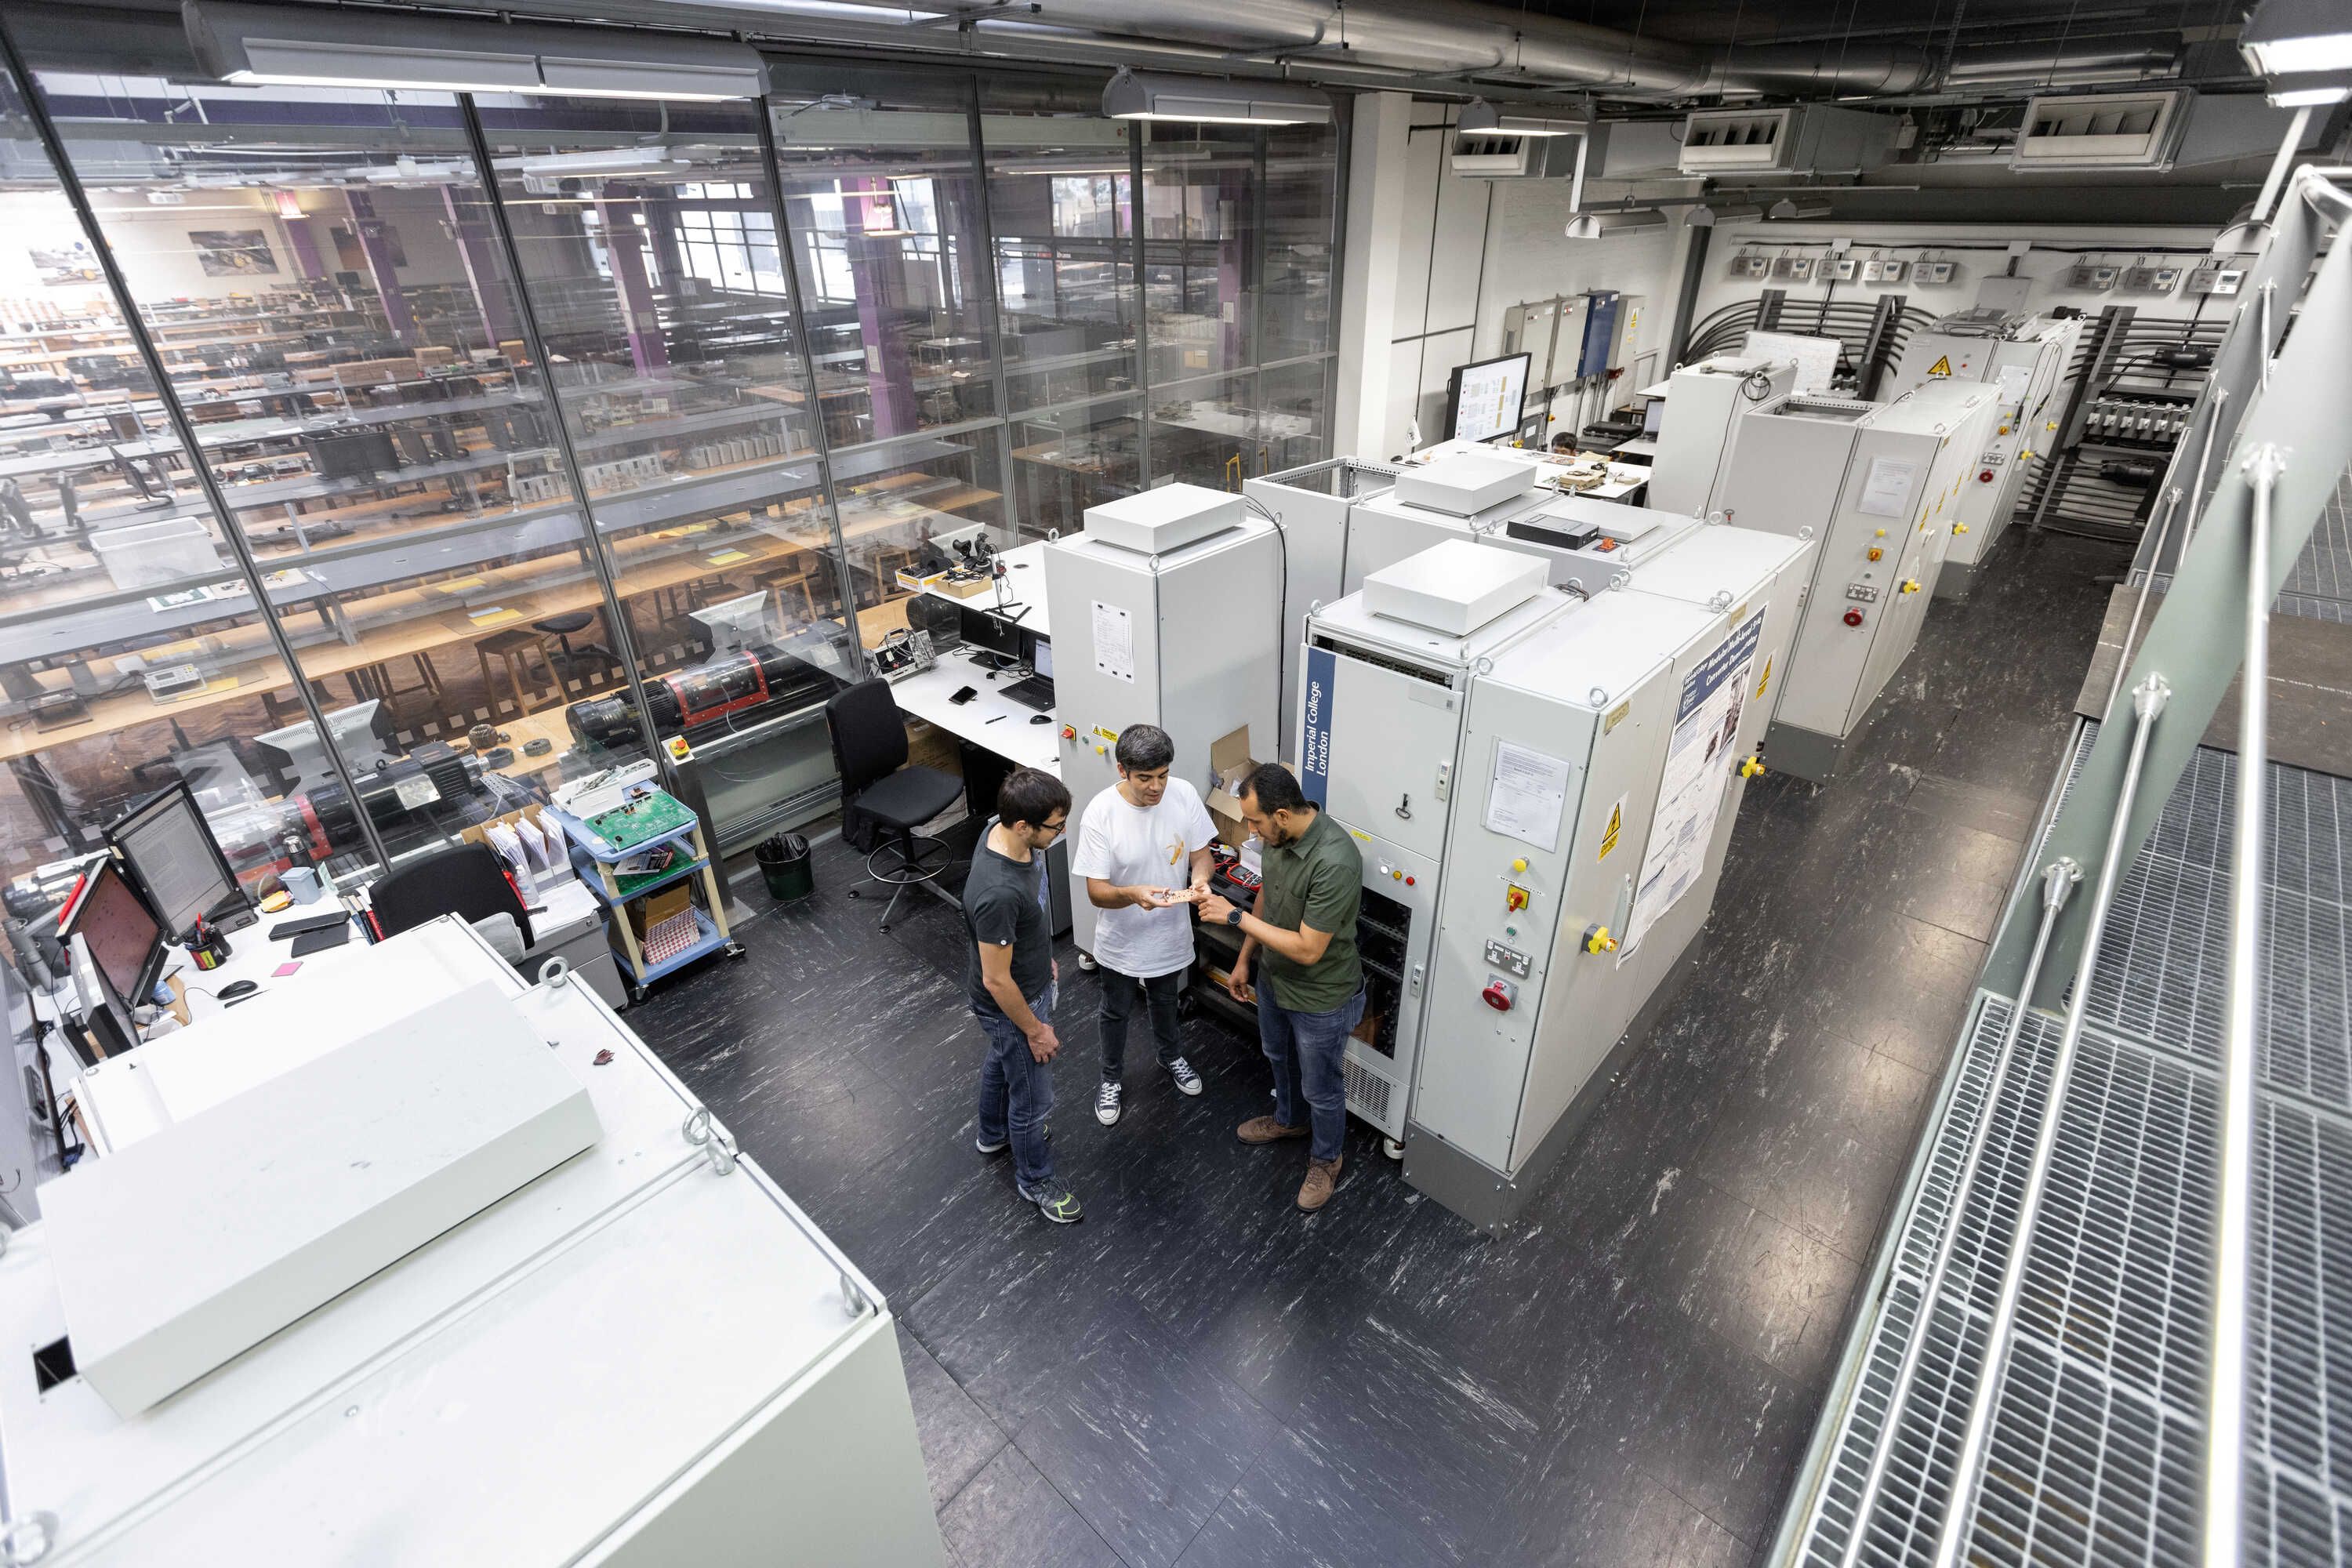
(1199, 1375)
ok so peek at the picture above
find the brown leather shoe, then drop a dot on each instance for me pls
(1266, 1130)
(1322, 1181)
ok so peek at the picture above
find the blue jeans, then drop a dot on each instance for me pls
(1308, 1051)
(1016, 1093)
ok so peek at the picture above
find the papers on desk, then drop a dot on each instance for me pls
(493, 615)
(727, 557)
(289, 577)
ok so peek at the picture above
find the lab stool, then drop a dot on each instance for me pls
(514, 648)
(562, 659)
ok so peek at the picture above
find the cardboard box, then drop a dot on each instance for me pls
(655, 907)
(1229, 764)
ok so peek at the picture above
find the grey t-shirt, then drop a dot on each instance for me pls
(1005, 903)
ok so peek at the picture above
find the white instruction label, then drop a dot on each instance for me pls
(1526, 795)
(1697, 778)
(1114, 634)
(1886, 489)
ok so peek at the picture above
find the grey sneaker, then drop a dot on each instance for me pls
(986, 1147)
(1106, 1103)
(1187, 1080)
(1055, 1202)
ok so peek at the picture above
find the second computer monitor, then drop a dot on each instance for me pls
(1041, 655)
(993, 633)
(171, 856)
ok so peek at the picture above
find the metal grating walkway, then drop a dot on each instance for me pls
(2098, 1438)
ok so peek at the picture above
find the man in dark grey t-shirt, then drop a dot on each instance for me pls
(1012, 981)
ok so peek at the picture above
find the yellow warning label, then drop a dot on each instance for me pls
(1616, 826)
(1767, 676)
(1111, 735)
(1941, 367)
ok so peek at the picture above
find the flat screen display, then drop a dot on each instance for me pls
(1487, 399)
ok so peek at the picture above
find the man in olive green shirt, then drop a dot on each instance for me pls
(1313, 997)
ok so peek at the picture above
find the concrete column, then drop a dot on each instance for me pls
(876, 266)
(625, 246)
(376, 245)
(478, 247)
(1377, 186)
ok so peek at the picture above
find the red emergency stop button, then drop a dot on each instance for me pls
(1984, 476)
(1499, 995)
(1854, 617)
(1070, 732)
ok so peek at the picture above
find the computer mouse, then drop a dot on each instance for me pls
(237, 988)
(1041, 718)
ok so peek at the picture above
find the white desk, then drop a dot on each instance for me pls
(991, 720)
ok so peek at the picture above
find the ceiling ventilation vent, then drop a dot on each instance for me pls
(1500, 155)
(1805, 140)
(2105, 130)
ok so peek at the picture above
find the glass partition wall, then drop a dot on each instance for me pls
(763, 361)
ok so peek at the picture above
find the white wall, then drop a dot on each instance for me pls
(1980, 250)
(1471, 249)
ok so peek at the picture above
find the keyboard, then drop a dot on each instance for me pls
(1033, 691)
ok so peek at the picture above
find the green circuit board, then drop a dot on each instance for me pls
(648, 817)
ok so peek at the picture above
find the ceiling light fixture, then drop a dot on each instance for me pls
(1205, 101)
(2309, 89)
(2292, 37)
(253, 46)
(1601, 226)
(1480, 118)
(1789, 208)
(1707, 215)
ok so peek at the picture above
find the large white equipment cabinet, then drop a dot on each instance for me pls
(1310, 505)
(1877, 487)
(1542, 788)
(1167, 611)
(1703, 405)
(644, 1354)
(2026, 361)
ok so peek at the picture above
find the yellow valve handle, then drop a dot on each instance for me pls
(1959, 528)
(1752, 768)
(1597, 940)
(1911, 585)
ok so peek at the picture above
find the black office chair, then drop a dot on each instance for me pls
(468, 880)
(881, 796)
(563, 659)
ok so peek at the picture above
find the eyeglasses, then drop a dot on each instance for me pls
(1057, 826)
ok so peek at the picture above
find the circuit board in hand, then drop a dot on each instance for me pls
(647, 816)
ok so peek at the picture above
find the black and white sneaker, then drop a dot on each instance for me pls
(1187, 1080)
(1055, 1202)
(1106, 1103)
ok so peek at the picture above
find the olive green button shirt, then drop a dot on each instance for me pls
(1318, 880)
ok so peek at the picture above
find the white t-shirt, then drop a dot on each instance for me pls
(1133, 847)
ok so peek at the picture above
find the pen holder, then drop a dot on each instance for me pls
(210, 950)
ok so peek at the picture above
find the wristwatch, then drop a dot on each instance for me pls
(1233, 919)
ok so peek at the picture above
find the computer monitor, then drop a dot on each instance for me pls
(991, 632)
(175, 862)
(1041, 655)
(1486, 398)
(111, 923)
(1654, 418)
(354, 731)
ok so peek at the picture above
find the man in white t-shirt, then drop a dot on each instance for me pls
(1143, 849)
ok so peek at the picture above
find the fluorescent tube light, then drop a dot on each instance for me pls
(2290, 37)
(2304, 89)
(1706, 216)
(1484, 119)
(1789, 207)
(1600, 226)
(1205, 101)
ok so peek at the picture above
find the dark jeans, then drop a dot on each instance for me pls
(1016, 1092)
(1119, 993)
(1308, 1051)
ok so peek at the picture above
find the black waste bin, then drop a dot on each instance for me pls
(784, 866)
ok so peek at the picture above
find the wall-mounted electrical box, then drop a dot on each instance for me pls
(2216, 278)
(1800, 139)
(2094, 275)
(1936, 274)
(1746, 265)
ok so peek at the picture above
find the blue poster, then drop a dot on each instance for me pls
(1315, 742)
